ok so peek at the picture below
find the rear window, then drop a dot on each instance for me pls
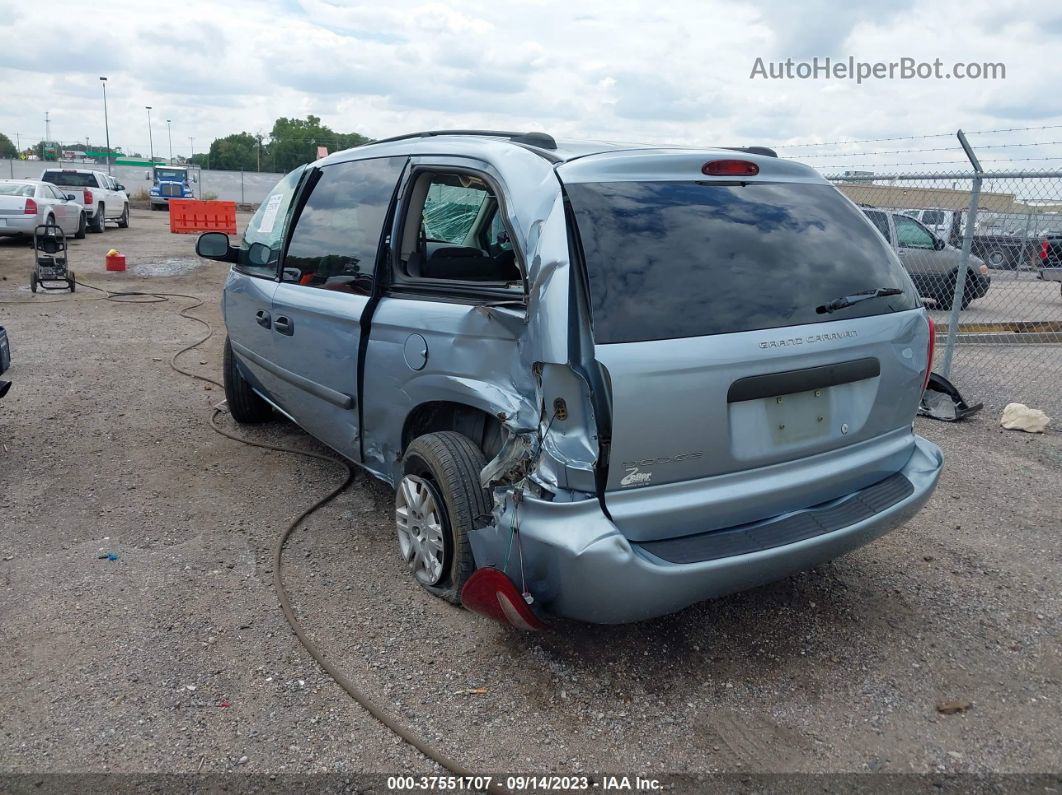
(689, 259)
(14, 189)
(70, 179)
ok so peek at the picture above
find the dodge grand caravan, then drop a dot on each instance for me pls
(622, 379)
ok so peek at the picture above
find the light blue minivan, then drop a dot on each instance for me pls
(620, 379)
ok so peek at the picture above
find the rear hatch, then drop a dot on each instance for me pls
(734, 395)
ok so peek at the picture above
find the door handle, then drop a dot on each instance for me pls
(284, 325)
(261, 317)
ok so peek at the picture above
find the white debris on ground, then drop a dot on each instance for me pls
(1019, 417)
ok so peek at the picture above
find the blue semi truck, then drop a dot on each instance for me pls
(169, 182)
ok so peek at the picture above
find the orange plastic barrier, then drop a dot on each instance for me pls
(190, 216)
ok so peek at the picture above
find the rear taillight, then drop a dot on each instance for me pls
(929, 353)
(730, 168)
(88, 197)
(31, 207)
(1043, 250)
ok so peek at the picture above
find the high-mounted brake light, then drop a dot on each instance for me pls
(31, 207)
(88, 197)
(931, 349)
(730, 168)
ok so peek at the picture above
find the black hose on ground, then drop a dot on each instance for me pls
(378, 712)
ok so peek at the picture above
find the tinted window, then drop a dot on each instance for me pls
(267, 226)
(932, 217)
(881, 221)
(338, 232)
(911, 234)
(685, 259)
(71, 179)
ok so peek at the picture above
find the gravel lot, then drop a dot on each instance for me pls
(174, 657)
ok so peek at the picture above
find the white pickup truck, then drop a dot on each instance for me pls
(103, 198)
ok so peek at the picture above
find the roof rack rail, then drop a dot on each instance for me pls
(537, 139)
(754, 150)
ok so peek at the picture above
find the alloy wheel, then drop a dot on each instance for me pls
(421, 526)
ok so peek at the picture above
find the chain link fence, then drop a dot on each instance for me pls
(984, 250)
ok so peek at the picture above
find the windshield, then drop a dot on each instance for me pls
(70, 179)
(688, 259)
(15, 189)
(169, 175)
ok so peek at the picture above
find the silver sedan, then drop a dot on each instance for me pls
(25, 203)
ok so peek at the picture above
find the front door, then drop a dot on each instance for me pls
(328, 275)
(248, 297)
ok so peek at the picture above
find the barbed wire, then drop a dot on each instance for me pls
(963, 162)
(919, 137)
(957, 149)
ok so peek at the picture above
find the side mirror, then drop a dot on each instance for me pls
(70, 197)
(258, 254)
(194, 178)
(119, 187)
(147, 175)
(215, 245)
(938, 244)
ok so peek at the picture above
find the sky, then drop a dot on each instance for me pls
(676, 72)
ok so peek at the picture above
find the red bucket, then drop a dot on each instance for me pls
(116, 262)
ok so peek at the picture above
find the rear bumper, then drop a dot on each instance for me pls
(577, 563)
(18, 225)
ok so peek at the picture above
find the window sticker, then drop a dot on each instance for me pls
(269, 217)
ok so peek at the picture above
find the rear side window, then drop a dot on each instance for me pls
(688, 259)
(932, 217)
(338, 233)
(881, 221)
(70, 179)
(451, 210)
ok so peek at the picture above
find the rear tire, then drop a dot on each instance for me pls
(245, 406)
(99, 222)
(450, 463)
(81, 226)
(123, 219)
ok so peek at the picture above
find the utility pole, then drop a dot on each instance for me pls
(106, 123)
(151, 140)
(47, 135)
(170, 137)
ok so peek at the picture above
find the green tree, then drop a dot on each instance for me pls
(7, 147)
(235, 152)
(295, 141)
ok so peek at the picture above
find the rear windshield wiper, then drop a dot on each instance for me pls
(855, 298)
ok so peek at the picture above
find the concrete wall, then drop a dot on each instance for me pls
(248, 187)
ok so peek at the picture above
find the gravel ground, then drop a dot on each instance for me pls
(174, 657)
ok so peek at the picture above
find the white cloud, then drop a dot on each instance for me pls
(624, 70)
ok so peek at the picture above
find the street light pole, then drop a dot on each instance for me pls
(151, 141)
(170, 137)
(106, 123)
